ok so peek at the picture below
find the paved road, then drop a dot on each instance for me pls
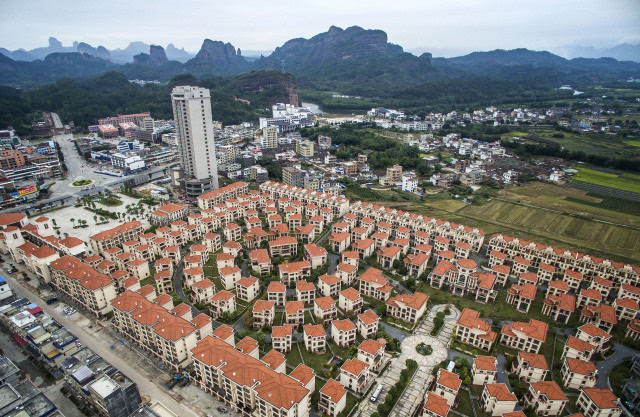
(605, 367)
(177, 284)
(502, 368)
(77, 168)
(96, 342)
(395, 332)
(333, 260)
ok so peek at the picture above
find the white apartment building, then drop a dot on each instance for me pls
(129, 161)
(196, 144)
(269, 137)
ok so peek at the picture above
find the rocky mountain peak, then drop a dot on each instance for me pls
(54, 43)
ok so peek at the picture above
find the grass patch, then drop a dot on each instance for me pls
(464, 403)
(352, 400)
(150, 280)
(278, 319)
(111, 202)
(339, 351)
(80, 183)
(293, 357)
(316, 362)
(308, 317)
(467, 349)
(632, 142)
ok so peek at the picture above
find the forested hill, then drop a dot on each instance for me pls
(352, 60)
(84, 101)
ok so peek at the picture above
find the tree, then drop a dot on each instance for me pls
(381, 310)
(73, 221)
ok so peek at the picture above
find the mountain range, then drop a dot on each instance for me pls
(352, 60)
(116, 56)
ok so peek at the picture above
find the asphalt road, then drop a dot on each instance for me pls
(96, 343)
(78, 168)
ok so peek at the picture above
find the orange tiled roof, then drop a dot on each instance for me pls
(314, 250)
(354, 366)
(223, 332)
(273, 359)
(294, 266)
(262, 305)
(436, 404)
(580, 345)
(535, 360)
(417, 300)
(485, 363)
(260, 255)
(314, 330)
(281, 331)
(500, 392)
(329, 279)
(350, 294)
(304, 286)
(247, 345)
(371, 346)
(580, 367)
(222, 296)
(594, 331)
(293, 307)
(325, 303)
(334, 390)
(344, 325)
(550, 389)
(535, 329)
(448, 379)
(368, 317)
(471, 319)
(276, 286)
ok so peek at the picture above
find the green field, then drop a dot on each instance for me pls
(607, 179)
(590, 143)
(593, 236)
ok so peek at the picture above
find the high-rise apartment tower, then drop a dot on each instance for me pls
(196, 144)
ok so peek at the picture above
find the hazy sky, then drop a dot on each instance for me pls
(464, 25)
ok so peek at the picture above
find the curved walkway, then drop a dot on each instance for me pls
(414, 392)
(412, 396)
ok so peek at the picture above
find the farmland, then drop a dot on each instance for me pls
(548, 214)
(628, 182)
(590, 143)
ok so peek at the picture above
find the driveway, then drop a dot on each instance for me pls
(605, 367)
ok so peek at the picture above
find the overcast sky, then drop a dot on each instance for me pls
(442, 25)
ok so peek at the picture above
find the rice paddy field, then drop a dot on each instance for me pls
(590, 143)
(627, 182)
(560, 216)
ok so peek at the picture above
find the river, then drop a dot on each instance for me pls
(314, 107)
